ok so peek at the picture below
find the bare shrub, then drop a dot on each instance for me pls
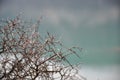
(26, 55)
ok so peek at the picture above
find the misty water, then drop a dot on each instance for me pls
(110, 72)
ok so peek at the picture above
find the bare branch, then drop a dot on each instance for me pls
(26, 55)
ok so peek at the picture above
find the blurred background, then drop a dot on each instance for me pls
(90, 24)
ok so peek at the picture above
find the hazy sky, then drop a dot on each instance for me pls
(90, 24)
